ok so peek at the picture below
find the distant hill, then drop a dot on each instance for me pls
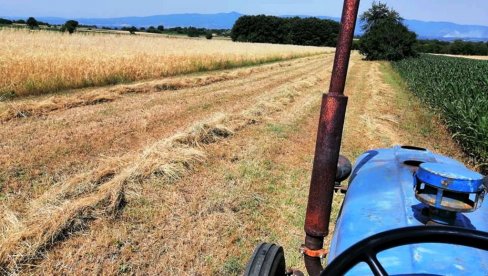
(209, 21)
(448, 30)
(424, 29)
(436, 30)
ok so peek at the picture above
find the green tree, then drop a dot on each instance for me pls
(193, 32)
(385, 37)
(378, 14)
(5, 21)
(209, 35)
(70, 26)
(161, 28)
(32, 23)
(296, 30)
(132, 30)
(152, 29)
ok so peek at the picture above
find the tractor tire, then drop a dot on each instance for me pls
(267, 260)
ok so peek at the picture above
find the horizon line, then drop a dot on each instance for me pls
(230, 12)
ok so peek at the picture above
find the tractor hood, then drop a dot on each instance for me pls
(381, 197)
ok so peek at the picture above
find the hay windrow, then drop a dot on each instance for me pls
(69, 207)
(37, 108)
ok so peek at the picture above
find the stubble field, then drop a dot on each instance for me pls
(184, 174)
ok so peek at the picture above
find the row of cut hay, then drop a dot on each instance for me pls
(69, 207)
(33, 63)
(37, 107)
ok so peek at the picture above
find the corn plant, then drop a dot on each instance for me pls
(457, 89)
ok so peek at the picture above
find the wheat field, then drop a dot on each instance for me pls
(38, 62)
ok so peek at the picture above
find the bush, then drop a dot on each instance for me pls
(193, 32)
(385, 37)
(32, 23)
(161, 28)
(153, 30)
(132, 30)
(355, 44)
(209, 35)
(70, 26)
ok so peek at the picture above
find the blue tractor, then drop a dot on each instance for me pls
(407, 211)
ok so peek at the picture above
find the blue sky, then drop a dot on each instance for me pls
(458, 11)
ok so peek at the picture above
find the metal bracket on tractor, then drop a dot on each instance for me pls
(321, 253)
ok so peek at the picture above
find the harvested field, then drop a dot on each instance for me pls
(38, 62)
(185, 180)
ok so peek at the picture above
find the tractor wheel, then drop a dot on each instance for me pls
(267, 260)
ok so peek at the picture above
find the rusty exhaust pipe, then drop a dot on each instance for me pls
(328, 145)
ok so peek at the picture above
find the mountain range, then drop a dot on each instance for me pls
(424, 29)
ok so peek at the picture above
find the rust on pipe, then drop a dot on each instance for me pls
(325, 165)
(343, 48)
(328, 144)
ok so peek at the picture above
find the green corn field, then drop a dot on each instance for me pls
(457, 89)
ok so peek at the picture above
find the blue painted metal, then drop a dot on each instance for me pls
(381, 197)
(448, 187)
(450, 177)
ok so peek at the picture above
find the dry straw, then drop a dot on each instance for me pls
(37, 62)
(38, 107)
(70, 206)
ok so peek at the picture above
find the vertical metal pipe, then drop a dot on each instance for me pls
(325, 165)
(328, 143)
(343, 49)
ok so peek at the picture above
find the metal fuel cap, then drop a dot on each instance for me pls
(450, 177)
(449, 187)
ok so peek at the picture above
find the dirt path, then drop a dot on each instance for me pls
(251, 187)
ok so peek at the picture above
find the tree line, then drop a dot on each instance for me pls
(457, 47)
(384, 35)
(295, 30)
(32, 23)
(72, 25)
(189, 31)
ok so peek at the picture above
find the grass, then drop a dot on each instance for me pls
(101, 192)
(419, 119)
(38, 62)
(232, 266)
(424, 126)
(244, 177)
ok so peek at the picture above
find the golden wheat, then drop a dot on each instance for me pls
(36, 62)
